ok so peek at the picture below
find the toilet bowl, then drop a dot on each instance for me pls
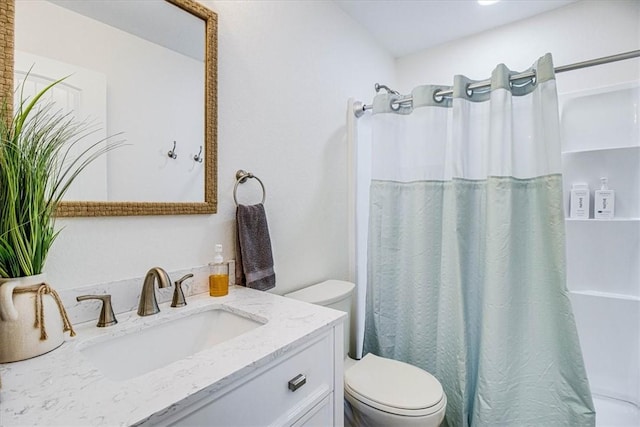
(379, 391)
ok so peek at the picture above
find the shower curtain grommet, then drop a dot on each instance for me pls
(532, 80)
(468, 90)
(438, 98)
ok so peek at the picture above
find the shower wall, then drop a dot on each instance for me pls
(601, 137)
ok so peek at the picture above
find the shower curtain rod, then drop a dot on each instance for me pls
(360, 108)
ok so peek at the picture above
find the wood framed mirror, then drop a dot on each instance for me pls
(195, 133)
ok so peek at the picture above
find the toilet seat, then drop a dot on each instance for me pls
(394, 387)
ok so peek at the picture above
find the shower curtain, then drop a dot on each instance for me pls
(466, 261)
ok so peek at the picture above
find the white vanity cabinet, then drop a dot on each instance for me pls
(265, 398)
(242, 381)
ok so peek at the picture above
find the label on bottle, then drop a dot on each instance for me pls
(579, 204)
(604, 204)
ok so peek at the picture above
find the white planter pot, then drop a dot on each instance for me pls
(20, 337)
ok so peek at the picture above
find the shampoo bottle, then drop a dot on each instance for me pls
(604, 201)
(579, 204)
(219, 278)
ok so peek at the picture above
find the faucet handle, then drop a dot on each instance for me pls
(107, 317)
(178, 295)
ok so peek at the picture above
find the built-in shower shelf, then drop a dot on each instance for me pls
(602, 255)
(610, 295)
(601, 138)
(602, 220)
(600, 149)
(619, 165)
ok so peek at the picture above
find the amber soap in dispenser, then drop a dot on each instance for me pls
(219, 278)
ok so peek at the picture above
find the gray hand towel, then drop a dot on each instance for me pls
(254, 261)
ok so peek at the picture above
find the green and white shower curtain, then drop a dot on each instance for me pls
(466, 254)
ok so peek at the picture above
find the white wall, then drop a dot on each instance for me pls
(580, 31)
(285, 72)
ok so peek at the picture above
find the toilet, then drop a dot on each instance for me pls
(379, 391)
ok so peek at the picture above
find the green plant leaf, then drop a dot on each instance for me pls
(36, 170)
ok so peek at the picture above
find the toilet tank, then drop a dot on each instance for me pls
(336, 294)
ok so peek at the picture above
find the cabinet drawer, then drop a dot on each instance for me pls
(267, 399)
(320, 415)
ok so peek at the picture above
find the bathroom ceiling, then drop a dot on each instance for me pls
(407, 26)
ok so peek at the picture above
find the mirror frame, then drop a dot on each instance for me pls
(91, 208)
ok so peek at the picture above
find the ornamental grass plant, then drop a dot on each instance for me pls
(37, 165)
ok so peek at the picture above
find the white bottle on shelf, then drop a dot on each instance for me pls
(604, 207)
(579, 204)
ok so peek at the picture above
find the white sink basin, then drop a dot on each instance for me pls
(135, 354)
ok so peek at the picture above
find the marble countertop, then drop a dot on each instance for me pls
(64, 388)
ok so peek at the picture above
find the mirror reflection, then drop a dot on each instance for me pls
(136, 69)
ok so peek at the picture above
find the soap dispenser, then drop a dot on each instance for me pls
(219, 278)
(604, 201)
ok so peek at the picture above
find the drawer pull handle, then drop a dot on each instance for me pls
(297, 382)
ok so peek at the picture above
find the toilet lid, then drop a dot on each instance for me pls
(324, 293)
(393, 386)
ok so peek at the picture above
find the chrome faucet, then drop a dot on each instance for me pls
(148, 303)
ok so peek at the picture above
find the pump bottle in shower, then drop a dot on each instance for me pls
(604, 201)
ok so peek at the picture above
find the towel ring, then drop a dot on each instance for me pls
(241, 178)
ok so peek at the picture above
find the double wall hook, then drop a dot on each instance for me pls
(172, 152)
(198, 157)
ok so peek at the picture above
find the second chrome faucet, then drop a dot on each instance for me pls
(148, 303)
